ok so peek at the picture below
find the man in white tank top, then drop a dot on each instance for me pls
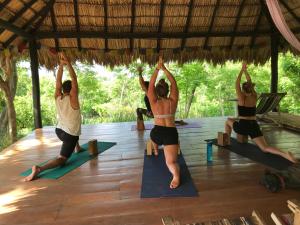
(68, 115)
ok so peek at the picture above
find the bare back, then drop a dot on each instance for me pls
(164, 112)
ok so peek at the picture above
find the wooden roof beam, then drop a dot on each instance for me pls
(105, 24)
(43, 16)
(20, 13)
(188, 22)
(146, 35)
(3, 4)
(256, 29)
(133, 12)
(41, 13)
(266, 12)
(290, 10)
(211, 24)
(9, 26)
(54, 28)
(161, 17)
(77, 23)
(238, 18)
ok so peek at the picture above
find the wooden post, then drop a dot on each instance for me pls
(34, 64)
(274, 63)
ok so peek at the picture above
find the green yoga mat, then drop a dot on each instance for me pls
(76, 160)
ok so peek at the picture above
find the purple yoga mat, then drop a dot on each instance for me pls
(189, 125)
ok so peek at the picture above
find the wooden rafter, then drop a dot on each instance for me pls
(266, 12)
(43, 16)
(211, 24)
(133, 12)
(290, 10)
(9, 26)
(77, 23)
(41, 13)
(160, 23)
(20, 13)
(147, 35)
(238, 18)
(188, 21)
(3, 4)
(105, 24)
(256, 29)
(54, 27)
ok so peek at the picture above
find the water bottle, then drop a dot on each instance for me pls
(209, 153)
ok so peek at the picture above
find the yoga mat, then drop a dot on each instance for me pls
(76, 160)
(253, 152)
(189, 125)
(156, 179)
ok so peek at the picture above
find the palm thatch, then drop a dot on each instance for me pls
(117, 31)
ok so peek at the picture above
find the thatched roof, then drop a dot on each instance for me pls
(115, 31)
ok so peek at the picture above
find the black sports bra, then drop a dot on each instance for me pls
(246, 111)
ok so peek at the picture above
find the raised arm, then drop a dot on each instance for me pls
(248, 78)
(247, 75)
(74, 89)
(151, 90)
(238, 81)
(58, 87)
(173, 85)
(141, 80)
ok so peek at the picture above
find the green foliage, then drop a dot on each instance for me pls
(114, 98)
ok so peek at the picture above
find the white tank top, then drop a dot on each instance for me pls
(69, 119)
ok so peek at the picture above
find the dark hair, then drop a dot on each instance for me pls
(67, 86)
(147, 84)
(162, 89)
(248, 87)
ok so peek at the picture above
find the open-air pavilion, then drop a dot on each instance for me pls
(106, 190)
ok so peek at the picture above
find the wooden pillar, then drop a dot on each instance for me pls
(274, 63)
(34, 64)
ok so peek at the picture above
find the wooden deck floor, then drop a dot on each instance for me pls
(106, 190)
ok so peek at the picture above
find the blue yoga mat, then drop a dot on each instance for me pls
(253, 152)
(76, 160)
(156, 179)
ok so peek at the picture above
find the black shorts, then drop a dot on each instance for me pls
(164, 135)
(69, 142)
(247, 127)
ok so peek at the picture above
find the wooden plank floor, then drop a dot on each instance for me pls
(106, 190)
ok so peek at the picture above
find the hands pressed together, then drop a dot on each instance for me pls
(63, 59)
(160, 63)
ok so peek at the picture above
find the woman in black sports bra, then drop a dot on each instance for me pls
(247, 124)
(164, 106)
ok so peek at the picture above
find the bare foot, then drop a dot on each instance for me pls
(78, 149)
(35, 171)
(291, 157)
(175, 182)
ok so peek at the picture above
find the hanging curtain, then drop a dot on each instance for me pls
(281, 24)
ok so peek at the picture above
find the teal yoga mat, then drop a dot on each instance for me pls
(76, 160)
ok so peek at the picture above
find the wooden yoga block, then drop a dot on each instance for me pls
(140, 125)
(242, 138)
(93, 148)
(223, 139)
(149, 147)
